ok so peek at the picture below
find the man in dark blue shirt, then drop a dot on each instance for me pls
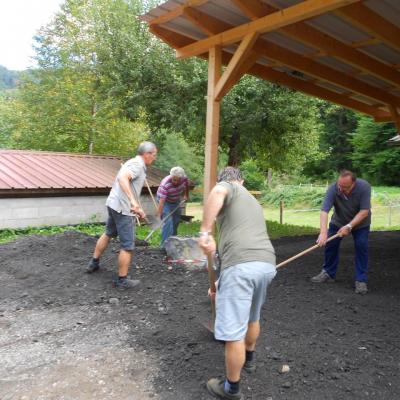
(351, 199)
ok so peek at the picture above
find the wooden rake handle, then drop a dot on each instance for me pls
(283, 263)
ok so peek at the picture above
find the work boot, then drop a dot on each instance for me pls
(93, 266)
(126, 283)
(216, 388)
(321, 278)
(361, 288)
(250, 366)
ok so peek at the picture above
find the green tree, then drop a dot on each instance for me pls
(372, 157)
(71, 102)
(335, 144)
(175, 151)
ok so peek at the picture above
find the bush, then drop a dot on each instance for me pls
(253, 177)
(300, 196)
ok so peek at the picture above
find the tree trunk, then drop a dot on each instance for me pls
(233, 153)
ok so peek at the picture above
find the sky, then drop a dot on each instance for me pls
(19, 22)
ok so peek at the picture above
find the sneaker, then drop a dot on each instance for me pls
(321, 278)
(250, 366)
(361, 288)
(126, 283)
(93, 266)
(216, 388)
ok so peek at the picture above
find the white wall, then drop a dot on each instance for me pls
(47, 211)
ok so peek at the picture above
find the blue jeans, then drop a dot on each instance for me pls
(170, 227)
(360, 237)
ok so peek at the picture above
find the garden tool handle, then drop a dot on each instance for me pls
(151, 194)
(283, 263)
(211, 272)
(163, 220)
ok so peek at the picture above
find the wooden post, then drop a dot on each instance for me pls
(396, 117)
(212, 121)
(281, 212)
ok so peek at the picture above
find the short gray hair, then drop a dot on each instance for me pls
(177, 171)
(146, 147)
(229, 174)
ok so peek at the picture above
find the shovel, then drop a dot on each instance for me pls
(157, 224)
(283, 263)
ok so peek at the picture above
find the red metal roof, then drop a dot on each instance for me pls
(24, 172)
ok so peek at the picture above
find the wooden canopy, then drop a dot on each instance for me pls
(343, 51)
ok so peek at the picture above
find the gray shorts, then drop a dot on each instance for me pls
(122, 226)
(241, 293)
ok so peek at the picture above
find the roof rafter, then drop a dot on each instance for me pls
(176, 12)
(281, 78)
(276, 20)
(326, 44)
(320, 71)
(371, 22)
(243, 58)
(308, 66)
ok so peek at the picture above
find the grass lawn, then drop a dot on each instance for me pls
(380, 216)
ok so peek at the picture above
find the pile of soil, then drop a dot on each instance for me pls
(68, 335)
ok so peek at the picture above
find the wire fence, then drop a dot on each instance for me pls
(382, 216)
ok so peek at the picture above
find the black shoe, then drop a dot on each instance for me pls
(216, 388)
(250, 366)
(93, 266)
(126, 283)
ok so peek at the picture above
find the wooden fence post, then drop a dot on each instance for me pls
(281, 212)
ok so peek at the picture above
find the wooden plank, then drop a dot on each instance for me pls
(234, 71)
(212, 121)
(371, 22)
(299, 12)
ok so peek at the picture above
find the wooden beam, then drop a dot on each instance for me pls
(176, 12)
(234, 71)
(365, 42)
(290, 15)
(321, 71)
(371, 22)
(173, 39)
(396, 116)
(212, 121)
(311, 89)
(327, 45)
(205, 22)
(307, 87)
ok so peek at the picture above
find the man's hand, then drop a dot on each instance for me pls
(211, 294)
(135, 209)
(207, 243)
(344, 231)
(322, 238)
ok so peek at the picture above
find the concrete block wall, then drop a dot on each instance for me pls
(50, 211)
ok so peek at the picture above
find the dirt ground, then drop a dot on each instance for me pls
(68, 335)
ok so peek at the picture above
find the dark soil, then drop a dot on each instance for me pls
(68, 335)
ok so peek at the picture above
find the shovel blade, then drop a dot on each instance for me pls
(153, 221)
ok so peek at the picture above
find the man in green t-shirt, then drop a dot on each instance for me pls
(247, 268)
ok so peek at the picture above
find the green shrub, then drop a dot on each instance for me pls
(299, 196)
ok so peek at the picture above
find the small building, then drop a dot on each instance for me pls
(39, 188)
